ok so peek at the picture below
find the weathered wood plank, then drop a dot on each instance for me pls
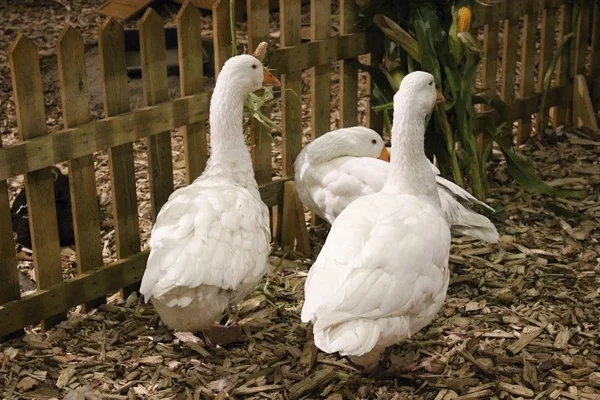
(291, 82)
(221, 33)
(348, 68)
(260, 136)
(546, 54)
(156, 90)
(374, 120)
(559, 114)
(297, 57)
(498, 11)
(39, 185)
(9, 275)
(191, 78)
(509, 61)
(111, 43)
(526, 84)
(75, 109)
(100, 135)
(489, 69)
(65, 295)
(582, 37)
(320, 83)
(595, 53)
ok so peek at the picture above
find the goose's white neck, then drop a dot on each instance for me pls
(229, 156)
(410, 171)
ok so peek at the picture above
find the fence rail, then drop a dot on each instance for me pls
(81, 138)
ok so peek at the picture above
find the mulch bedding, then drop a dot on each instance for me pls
(521, 319)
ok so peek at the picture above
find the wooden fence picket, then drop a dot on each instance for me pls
(348, 69)
(191, 77)
(156, 90)
(84, 198)
(111, 44)
(39, 184)
(9, 275)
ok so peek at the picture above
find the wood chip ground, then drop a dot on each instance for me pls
(521, 320)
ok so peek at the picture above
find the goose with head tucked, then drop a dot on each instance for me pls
(210, 243)
(382, 274)
(337, 168)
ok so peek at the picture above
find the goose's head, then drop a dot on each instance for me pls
(356, 141)
(247, 73)
(417, 89)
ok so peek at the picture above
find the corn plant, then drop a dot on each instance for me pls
(434, 36)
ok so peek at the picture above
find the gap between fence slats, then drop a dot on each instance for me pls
(39, 185)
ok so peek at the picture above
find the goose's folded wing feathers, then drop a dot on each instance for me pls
(381, 259)
(207, 235)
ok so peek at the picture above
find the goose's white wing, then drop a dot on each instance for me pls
(329, 188)
(381, 276)
(206, 234)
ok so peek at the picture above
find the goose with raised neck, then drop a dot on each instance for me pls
(210, 244)
(382, 274)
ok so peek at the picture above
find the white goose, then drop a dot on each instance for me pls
(345, 164)
(382, 274)
(210, 243)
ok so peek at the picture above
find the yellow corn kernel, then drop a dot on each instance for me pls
(464, 19)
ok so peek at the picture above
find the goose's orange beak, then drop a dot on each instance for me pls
(384, 155)
(269, 79)
(440, 97)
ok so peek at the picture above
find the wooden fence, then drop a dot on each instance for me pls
(76, 143)
(517, 51)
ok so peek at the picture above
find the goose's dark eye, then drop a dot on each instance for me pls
(430, 83)
(253, 66)
(374, 141)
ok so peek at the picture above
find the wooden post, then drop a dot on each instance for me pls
(509, 63)
(583, 110)
(291, 97)
(595, 54)
(84, 198)
(156, 90)
(490, 73)
(221, 33)
(546, 54)
(191, 77)
(559, 113)
(526, 84)
(111, 44)
(9, 275)
(294, 225)
(39, 185)
(260, 136)
(348, 68)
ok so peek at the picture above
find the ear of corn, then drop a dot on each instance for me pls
(464, 19)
